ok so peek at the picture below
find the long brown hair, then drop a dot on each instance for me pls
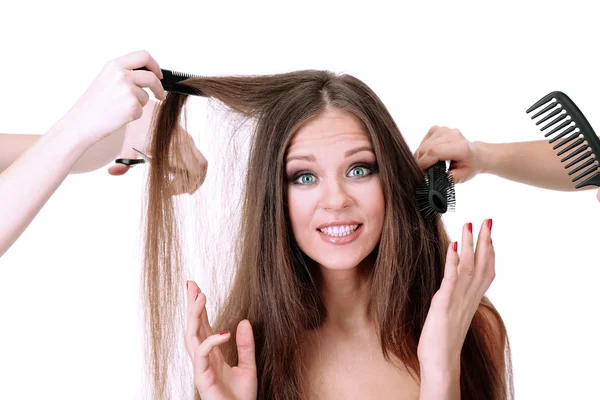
(274, 286)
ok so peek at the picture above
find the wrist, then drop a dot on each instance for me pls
(485, 157)
(65, 136)
(440, 383)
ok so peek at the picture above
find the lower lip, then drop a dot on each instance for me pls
(341, 239)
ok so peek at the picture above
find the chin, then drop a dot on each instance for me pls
(338, 262)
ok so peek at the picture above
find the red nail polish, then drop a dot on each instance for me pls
(489, 224)
(491, 242)
(470, 227)
(455, 246)
(196, 298)
(224, 333)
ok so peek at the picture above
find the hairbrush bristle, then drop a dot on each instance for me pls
(437, 194)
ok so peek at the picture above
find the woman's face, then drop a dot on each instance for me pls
(335, 198)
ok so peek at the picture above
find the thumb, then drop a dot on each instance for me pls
(245, 345)
(121, 169)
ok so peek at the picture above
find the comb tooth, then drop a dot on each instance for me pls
(572, 145)
(547, 117)
(554, 121)
(573, 154)
(580, 158)
(565, 132)
(592, 169)
(582, 166)
(541, 102)
(558, 128)
(567, 140)
(548, 107)
(592, 180)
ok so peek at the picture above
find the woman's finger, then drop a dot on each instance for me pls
(195, 334)
(484, 259)
(245, 345)
(446, 150)
(142, 98)
(202, 352)
(139, 59)
(451, 268)
(467, 257)
(148, 79)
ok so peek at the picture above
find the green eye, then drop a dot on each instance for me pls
(305, 179)
(357, 172)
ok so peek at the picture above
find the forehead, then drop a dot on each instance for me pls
(333, 128)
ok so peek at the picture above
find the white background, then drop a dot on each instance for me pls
(69, 321)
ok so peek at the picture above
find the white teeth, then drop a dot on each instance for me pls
(339, 230)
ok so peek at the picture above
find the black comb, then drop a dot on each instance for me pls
(171, 79)
(569, 116)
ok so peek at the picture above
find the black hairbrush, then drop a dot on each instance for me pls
(437, 194)
(583, 140)
(171, 79)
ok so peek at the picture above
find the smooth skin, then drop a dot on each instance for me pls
(330, 174)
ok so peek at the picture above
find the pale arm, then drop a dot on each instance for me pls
(532, 163)
(12, 146)
(440, 385)
(28, 183)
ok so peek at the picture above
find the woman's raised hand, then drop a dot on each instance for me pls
(213, 377)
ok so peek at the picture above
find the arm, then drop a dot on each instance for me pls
(112, 101)
(533, 163)
(27, 184)
(100, 154)
(103, 152)
(440, 385)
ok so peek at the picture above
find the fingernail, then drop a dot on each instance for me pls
(224, 333)
(196, 298)
(455, 246)
(470, 227)
(491, 242)
(489, 224)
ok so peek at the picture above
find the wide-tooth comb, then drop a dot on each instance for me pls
(171, 79)
(573, 123)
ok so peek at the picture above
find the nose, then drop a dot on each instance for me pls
(334, 196)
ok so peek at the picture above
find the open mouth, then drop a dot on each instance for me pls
(340, 230)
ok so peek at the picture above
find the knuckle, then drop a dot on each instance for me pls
(431, 152)
(121, 76)
(111, 65)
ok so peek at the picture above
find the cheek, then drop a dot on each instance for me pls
(300, 206)
(373, 204)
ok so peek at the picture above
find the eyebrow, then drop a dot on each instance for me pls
(347, 154)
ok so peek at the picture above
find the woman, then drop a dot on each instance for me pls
(342, 288)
